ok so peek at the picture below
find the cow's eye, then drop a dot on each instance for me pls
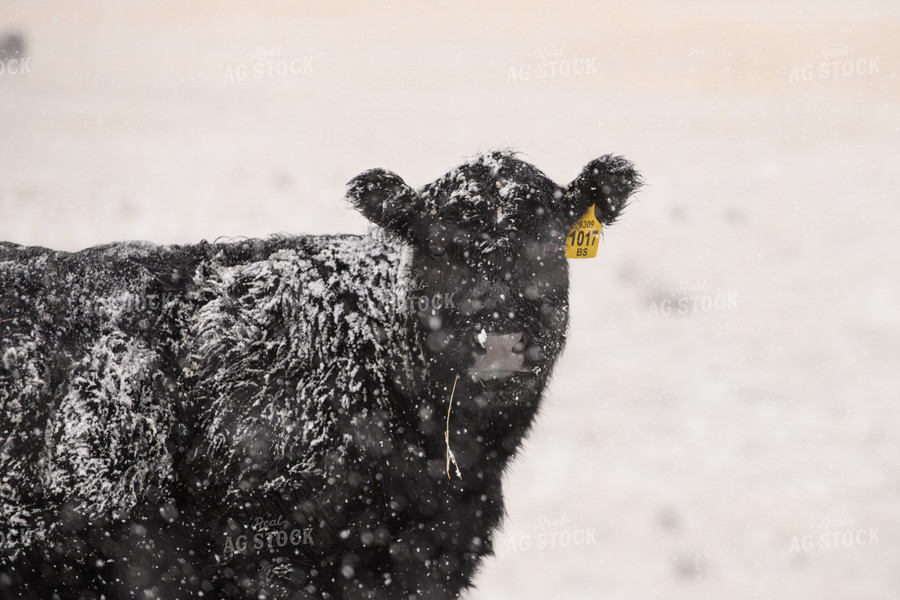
(436, 249)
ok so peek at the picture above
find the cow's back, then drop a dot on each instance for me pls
(147, 383)
(87, 387)
(291, 342)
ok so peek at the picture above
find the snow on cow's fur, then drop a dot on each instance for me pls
(266, 418)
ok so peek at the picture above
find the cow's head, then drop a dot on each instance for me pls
(489, 281)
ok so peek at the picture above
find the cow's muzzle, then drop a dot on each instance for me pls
(499, 356)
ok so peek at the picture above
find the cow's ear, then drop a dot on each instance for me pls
(386, 200)
(607, 183)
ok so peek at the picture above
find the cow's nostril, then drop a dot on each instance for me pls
(534, 354)
(479, 341)
(519, 347)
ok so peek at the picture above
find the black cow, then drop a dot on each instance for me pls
(12, 46)
(272, 418)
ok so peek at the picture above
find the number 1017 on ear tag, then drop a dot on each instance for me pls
(583, 239)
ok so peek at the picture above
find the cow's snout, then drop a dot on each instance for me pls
(499, 355)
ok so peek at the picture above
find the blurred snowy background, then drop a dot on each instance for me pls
(724, 421)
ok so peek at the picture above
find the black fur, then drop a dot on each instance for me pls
(265, 419)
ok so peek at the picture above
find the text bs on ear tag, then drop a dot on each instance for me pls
(583, 239)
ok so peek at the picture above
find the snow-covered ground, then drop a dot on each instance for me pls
(724, 421)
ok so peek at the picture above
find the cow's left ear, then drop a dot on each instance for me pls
(386, 200)
(607, 183)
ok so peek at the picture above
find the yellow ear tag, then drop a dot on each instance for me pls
(582, 240)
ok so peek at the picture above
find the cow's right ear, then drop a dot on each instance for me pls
(386, 200)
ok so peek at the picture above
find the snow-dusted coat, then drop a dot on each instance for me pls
(271, 418)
